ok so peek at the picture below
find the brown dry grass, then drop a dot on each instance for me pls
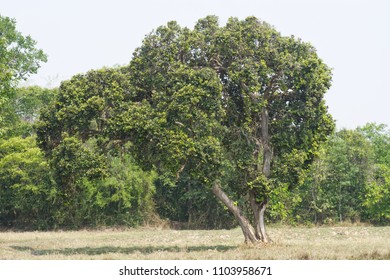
(349, 242)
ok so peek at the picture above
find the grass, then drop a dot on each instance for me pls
(289, 243)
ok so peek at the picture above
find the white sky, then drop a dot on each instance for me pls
(351, 36)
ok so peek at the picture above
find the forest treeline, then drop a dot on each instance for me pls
(75, 187)
(206, 127)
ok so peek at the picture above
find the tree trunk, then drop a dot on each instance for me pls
(246, 227)
(260, 207)
(189, 205)
(266, 141)
(257, 234)
(258, 211)
(264, 236)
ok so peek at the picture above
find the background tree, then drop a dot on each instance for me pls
(339, 179)
(18, 58)
(379, 137)
(376, 201)
(377, 197)
(25, 175)
(23, 108)
(348, 180)
(25, 185)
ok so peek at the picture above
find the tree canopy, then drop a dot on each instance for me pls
(19, 58)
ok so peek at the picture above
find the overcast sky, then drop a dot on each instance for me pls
(351, 36)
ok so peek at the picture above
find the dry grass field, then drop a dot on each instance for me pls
(349, 242)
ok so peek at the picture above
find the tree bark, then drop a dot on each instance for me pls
(265, 137)
(246, 227)
(263, 232)
(260, 207)
(258, 211)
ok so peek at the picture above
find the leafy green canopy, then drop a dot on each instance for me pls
(199, 94)
(18, 58)
(23, 108)
(349, 180)
(83, 107)
(97, 181)
(25, 180)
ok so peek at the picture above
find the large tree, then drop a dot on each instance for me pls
(240, 95)
(239, 109)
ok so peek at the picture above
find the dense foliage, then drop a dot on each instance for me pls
(206, 128)
(349, 179)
